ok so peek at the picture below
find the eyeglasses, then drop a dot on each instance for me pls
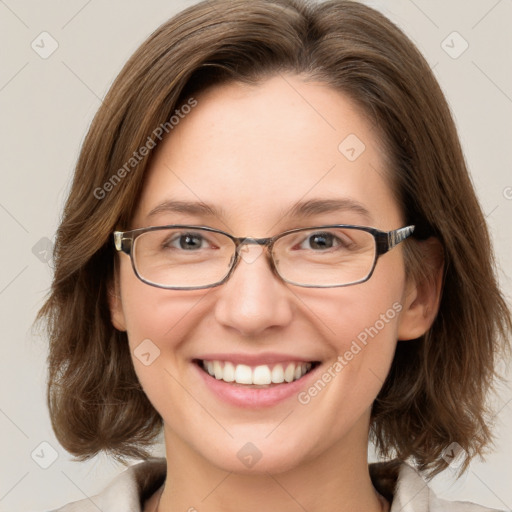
(181, 257)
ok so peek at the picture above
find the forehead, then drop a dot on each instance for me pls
(254, 152)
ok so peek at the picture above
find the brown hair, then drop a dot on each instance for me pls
(435, 393)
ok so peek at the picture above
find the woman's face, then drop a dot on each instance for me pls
(253, 154)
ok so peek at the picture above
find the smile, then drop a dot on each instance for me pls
(262, 375)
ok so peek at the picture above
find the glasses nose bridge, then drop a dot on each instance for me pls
(263, 243)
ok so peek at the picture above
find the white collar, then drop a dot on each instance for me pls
(124, 493)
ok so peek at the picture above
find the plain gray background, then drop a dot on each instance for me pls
(46, 106)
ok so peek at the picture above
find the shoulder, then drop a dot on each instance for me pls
(126, 492)
(408, 491)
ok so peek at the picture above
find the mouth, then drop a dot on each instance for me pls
(260, 376)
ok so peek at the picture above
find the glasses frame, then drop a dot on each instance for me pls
(384, 242)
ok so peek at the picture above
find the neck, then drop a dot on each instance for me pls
(336, 479)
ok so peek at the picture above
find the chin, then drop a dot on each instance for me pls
(268, 463)
(242, 455)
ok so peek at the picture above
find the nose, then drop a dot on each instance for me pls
(254, 299)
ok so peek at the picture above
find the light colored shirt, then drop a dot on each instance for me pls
(398, 482)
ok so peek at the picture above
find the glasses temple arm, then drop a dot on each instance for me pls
(399, 235)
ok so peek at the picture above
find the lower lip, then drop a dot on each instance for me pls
(251, 398)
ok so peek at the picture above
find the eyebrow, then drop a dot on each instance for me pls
(302, 209)
(318, 206)
(189, 207)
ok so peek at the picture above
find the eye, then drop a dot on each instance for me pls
(186, 242)
(320, 241)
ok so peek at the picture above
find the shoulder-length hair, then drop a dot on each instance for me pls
(435, 393)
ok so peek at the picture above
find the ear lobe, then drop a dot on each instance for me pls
(423, 293)
(116, 306)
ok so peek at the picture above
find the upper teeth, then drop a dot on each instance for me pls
(259, 375)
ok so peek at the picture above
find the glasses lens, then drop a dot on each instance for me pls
(182, 257)
(325, 256)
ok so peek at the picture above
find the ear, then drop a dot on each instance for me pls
(422, 295)
(115, 303)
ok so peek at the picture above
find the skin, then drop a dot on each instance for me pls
(253, 152)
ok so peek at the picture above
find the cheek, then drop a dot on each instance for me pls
(367, 345)
(160, 315)
(360, 325)
(158, 322)
(154, 313)
(358, 314)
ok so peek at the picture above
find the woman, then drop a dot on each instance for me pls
(272, 251)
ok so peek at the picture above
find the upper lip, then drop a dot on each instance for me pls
(256, 359)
